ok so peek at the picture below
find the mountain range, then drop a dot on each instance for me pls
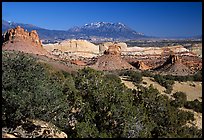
(95, 32)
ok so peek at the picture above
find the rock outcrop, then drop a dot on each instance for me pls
(33, 129)
(18, 39)
(104, 46)
(174, 66)
(113, 50)
(73, 47)
(153, 50)
(140, 65)
(19, 34)
(111, 60)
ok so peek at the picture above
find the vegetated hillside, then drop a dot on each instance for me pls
(87, 104)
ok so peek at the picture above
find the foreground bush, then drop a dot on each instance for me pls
(195, 105)
(180, 99)
(163, 81)
(88, 104)
(134, 76)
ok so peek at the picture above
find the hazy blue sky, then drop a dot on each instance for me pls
(150, 18)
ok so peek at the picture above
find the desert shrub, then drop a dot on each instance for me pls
(134, 76)
(144, 82)
(30, 90)
(147, 73)
(167, 82)
(87, 104)
(196, 105)
(184, 116)
(198, 76)
(107, 102)
(180, 99)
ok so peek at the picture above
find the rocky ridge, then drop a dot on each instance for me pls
(174, 66)
(19, 39)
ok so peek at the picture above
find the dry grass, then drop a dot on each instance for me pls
(193, 90)
(197, 116)
(128, 84)
(155, 85)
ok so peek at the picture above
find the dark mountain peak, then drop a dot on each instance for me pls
(95, 30)
(107, 30)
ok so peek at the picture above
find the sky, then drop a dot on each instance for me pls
(161, 19)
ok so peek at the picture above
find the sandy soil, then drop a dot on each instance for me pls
(155, 85)
(183, 86)
(192, 92)
(198, 119)
(128, 84)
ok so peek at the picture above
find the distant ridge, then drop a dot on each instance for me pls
(97, 31)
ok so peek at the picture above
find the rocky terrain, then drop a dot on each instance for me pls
(33, 129)
(111, 60)
(69, 96)
(18, 39)
(104, 56)
(174, 66)
(72, 48)
(197, 49)
(156, 57)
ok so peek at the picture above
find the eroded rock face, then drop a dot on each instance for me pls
(19, 34)
(111, 60)
(140, 65)
(104, 46)
(18, 39)
(173, 59)
(73, 46)
(113, 50)
(174, 66)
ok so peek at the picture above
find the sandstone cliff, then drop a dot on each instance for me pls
(18, 39)
(74, 47)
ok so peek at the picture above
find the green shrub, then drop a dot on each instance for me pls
(167, 82)
(87, 104)
(198, 76)
(147, 73)
(196, 105)
(134, 76)
(30, 90)
(180, 99)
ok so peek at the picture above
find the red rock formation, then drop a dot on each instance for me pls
(78, 62)
(140, 65)
(174, 66)
(18, 39)
(19, 34)
(113, 50)
(111, 60)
